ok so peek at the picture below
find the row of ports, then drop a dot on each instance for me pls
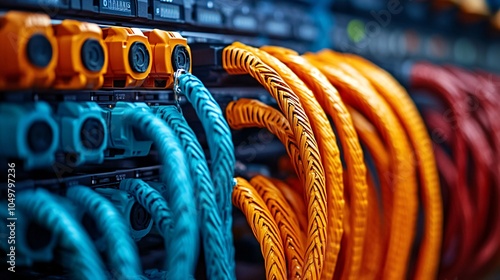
(83, 132)
(79, 55)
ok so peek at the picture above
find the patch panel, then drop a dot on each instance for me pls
(179, 139)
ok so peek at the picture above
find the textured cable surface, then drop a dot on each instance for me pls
(331, 102)
(156, 205)
(240, 61)
(296, 202)
(178, 192)
(487, 99)
(79, 254)
(217, 255)
(221, 148)
(246, 113)
(408, 115)
(355, 90)
(265, 229)
(121, 250)
(467, 135)
(330, 156)
(287, 223)
(379, 222)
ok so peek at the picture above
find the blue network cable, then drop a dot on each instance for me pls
(121, 250)
(221, 148)
(184, 246)
(217, 255)
(79, 254)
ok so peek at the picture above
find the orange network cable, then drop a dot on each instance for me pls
(358, 92)
(236, 60)
(296, 202)
(378, 222)
(287, 223)
(331, 102)
(258, 216)
(408, 115)
(246, 113)
(330, 156)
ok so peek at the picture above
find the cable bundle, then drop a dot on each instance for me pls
(464, 127)
(217, 255)
(367, 106)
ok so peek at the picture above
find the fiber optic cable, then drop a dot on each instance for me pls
(356, 91)
(78, 254)
(220, 146)
(265, 229)
(287, 223)
(331, 102)
(178, 192)
(216, 253)
(121, 251)
(330, 156)
(407, 113)
(240, 61)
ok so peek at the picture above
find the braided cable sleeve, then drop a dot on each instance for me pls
(246, 113)
(178, 192)
(240, 61)
(408, 115)
(467, 136)
(487, 96)
(216, 253)
(265, 229)
(331, 102)
(121, 250)
(330, 156)
(356, 91)
(379, 220)
(287, 223)
(221, 148)
(79, 254)
(156, 205)
(296, 202)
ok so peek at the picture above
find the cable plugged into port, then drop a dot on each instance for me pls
(28, 52)
(83, 57)
(136, 216)
(32, 134)
(124, 141)
(170, 53)
(84, 132)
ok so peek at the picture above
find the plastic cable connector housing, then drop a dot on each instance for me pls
(28, 52)
(83, 131)
(122, 136)
(83, 56)
(170, 53)
(29, 133)
(130, 57)
(25, 254)
(126, 204)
